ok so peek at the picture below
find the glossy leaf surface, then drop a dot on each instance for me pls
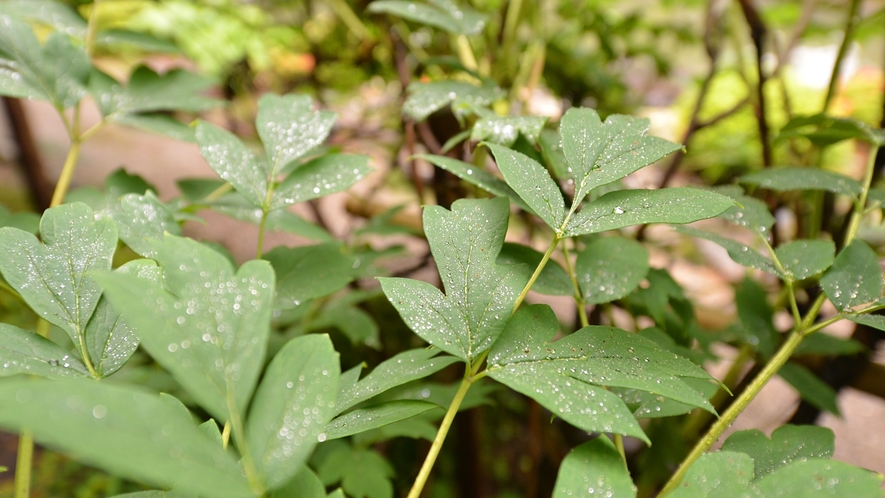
(426, 98)
(234, 162)
(25, 352)
(292, 405)
(373, 417)
(322, 176)
(289, 128)
(739, 253)
(855, 277)
(533, 184)
(594, 469)
(625, 208)
(788, 443)
(553, 280)
(806, 258)
(609, 268)
(465, 243)
(475, 176)
(796, 178)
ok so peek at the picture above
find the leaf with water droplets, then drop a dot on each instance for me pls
(404, 367)
(234, 162)
(476, 176)
(52, 276)
(426, 98)
(110, 341)
(564, 375)
(749, 212)
(322, 176)
(739, 253)
(806, 258)
(56, 72)
(470, 22)
(504, 130)
(375, 416)
(788, 443)
(48, 12)
(823, 130)
(292, 405)
(553, 280)
(625, 208)
(279, 220)
(594, 469)
(148, 92)
(206, 323)
(124, 430)
(647, 405)
(601, 153)
(816, 477)
(308, 272)
(289, 128)
(443, 14)
(796, 178)
(722, 473)
(24, 352)
(141, 218)
(609, 268)
(533, 184)
(855, 277)
(480, 294)
(812, 389)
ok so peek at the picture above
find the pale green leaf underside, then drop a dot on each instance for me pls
(594, 468)
(609, 268)
(125, 431)
(476, 176)
(533, 184)
(796, 178)
(373, 417)
(206, 324)
(855, 277)
(625, 208)
(289, 128)
(292, 405)
(25, 352)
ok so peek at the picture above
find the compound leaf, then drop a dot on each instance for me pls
(373, 417)
(806, 258)
(289, 128)
(25, 352)
(476, 176)
(788, 443)
(533, 184)
(594, 469)
(855, 277)
(796, 178)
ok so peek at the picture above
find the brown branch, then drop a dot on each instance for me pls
(759, 34)
(29, 156)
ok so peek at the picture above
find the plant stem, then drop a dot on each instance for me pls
(579, 299)
(23, 464)
(67, 171)
(444, 427)
(788, 279)
(236, 424)
(465, 53)
(840, 55)
(261, 227)
(225, 435)
(537, 272)
(858, 211)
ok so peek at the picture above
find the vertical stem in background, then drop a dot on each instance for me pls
(840, 55)
(67, 171)
(579, 298)
(759, 33)
(537, 272)
(261, 229)
(23, 464)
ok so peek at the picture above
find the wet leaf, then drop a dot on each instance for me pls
(292, 405)
(110, 341)
(404, 367)
(600, 153)
(206, 323)
(480, 294)
(788, 443)
(147, 92)
(362, 473)
(855, 277)
(875, 321)
(504, 130)
(322, 176)
(723, 473)
(625, 208)
(125, 431)
(553, 280)
(551, 151)
(823, 130)
(305, 484)
(533, 184)
(48, 12)
(159, 123)
(426, 98)
(749, 213)
(806, 258)
(810, 387)
(817, 477)
(52, 276)
(609, 268)
(796, 178)
(25, 352)
(142, 218)
(476, 176)
(373, 417)
(289, 128)
(309, 272)
(442, 14)
(470, 22)
(739, 253)
(594, 468)
(647, 405)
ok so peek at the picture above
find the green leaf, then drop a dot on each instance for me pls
(56, 72)
(322, 176)
(739, 253)
(48, 12)
(305, 484)
(279, 220)
(147, 91)
(404, 367)
(810, 387)
(289, 128)
(749, 213)
(828, 345)
(504, 130)
(309, 272)
(25, 352)
(121, 38)
(551, 151)
(723, 473)
(142, 218)
(816, 477)
(470, 22)
(292, 405)
(806, 258)
(476, 176)
(362, 473)
(357, 325)
(609, 268)
(533, 184)
(594, 469)
(465, 243)
(855, 277)
(52, 276)
(205, 323)
(110, 341)
(625, 208)
(601, 153)
(234, 162)
(443, 14)
(823, 130)
(553, 280)
(426, 98)
(158, 123)
(796, 178)
(125, 431)
(788, 443)
(373, 417)
(29, 222)
(647, 405)
(875, 321)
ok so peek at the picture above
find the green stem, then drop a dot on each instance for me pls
(67, 171)
(843, 50)
(579, 298)
(788, 279)
(465, 53)
(444, 427)
(23, 464)
(699, 418)
(225, 435)
(261, 227)
(511, 23)
(857, 212)
(537, 272)
(351, 20)
(239, 432)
